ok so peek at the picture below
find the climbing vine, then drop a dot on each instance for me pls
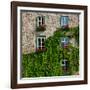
(48, 63)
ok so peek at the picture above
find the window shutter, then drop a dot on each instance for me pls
(61, 20)
(37, 21)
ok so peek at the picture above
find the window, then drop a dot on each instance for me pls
(65, 65)
(64, 62)
(40, 43)
(64, 42)
(64, 21)
(40, 20)
(40, 23)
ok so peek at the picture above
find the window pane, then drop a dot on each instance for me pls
(67, 63)
(39, 42)
(39, 23)
(43, 44)
(39, 18)
(64, 20)
(42, 39)
(43, 20)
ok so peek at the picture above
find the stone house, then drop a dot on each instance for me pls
(37, 26)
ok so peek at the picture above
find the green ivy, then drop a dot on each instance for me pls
(48, 63)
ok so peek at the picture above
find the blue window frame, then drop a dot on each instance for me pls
(64, 41)
(64, 20)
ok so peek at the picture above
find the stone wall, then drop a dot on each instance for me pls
(52, 21)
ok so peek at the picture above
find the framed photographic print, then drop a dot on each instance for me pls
(48, 44)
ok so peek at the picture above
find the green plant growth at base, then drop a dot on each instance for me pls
(48, 63)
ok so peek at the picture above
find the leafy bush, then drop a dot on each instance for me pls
(48, 63)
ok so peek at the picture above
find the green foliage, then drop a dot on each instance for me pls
(41, 28)
(76, 33)
(48, 63)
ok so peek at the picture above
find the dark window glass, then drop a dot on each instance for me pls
(39, 18)
(62, 62)
(43, 20)
(42, 39)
